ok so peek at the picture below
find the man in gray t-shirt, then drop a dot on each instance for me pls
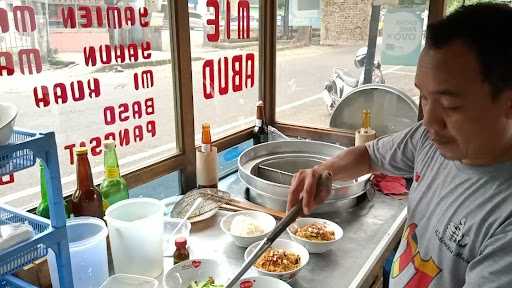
(459, 226)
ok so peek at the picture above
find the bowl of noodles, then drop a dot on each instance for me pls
(283, 260)
(315, 234)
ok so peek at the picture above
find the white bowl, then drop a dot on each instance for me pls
(170, 225)
(180, 276)
(288, 246)
(266, 222)
(315, 246)
(261, 282)
(8, 113)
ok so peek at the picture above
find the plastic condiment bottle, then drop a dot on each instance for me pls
(206, 161)
(181, 253)
(366, 133)
(206, 138)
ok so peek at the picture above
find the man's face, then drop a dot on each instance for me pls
(461, 117)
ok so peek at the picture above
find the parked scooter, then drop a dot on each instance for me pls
(342, 83)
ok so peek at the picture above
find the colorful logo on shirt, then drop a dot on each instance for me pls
(424, 270)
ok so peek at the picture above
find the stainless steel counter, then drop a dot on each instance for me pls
(368, 229)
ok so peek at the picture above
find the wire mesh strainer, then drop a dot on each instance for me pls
(211, 199)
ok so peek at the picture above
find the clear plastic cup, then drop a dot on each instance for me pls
(88, 253)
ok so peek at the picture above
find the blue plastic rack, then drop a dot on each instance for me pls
(21, 153)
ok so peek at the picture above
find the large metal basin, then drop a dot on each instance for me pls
(267, 170)
(392, 110)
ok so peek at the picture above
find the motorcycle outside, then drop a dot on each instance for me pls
(342, 83)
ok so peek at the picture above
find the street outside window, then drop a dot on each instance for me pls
(316, 44)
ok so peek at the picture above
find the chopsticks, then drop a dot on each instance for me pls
(237, 205)
(232, 203)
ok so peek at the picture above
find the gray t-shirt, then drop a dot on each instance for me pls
(459, 227)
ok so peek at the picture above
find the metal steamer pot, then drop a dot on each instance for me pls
(267, 170)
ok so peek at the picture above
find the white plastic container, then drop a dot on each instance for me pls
(88, 252)
(136, 228)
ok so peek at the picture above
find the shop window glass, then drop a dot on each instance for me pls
(89, 70)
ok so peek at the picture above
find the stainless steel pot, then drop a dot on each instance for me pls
(267, 170)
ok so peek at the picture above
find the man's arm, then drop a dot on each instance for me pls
(393, 154)
(349, 164)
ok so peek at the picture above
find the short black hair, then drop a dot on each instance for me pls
(486, 29)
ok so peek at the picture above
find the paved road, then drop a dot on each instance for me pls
(301, 74)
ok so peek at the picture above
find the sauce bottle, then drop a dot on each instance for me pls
(113, 188)
(260, 131)
(181, 253)
(86, 200)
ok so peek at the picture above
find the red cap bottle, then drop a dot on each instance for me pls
(181, 253)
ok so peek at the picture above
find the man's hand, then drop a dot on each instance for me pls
(311, 186)
(348, 164)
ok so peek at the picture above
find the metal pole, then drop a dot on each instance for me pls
(372, 44)
(48, 48)
(286, 18)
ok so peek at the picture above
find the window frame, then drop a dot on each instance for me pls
(184, 160)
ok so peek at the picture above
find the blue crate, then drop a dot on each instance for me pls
(20, 153)
(26, 254)
(13, 282)
(11, 162)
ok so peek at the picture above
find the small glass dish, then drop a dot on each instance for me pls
(128, 281)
